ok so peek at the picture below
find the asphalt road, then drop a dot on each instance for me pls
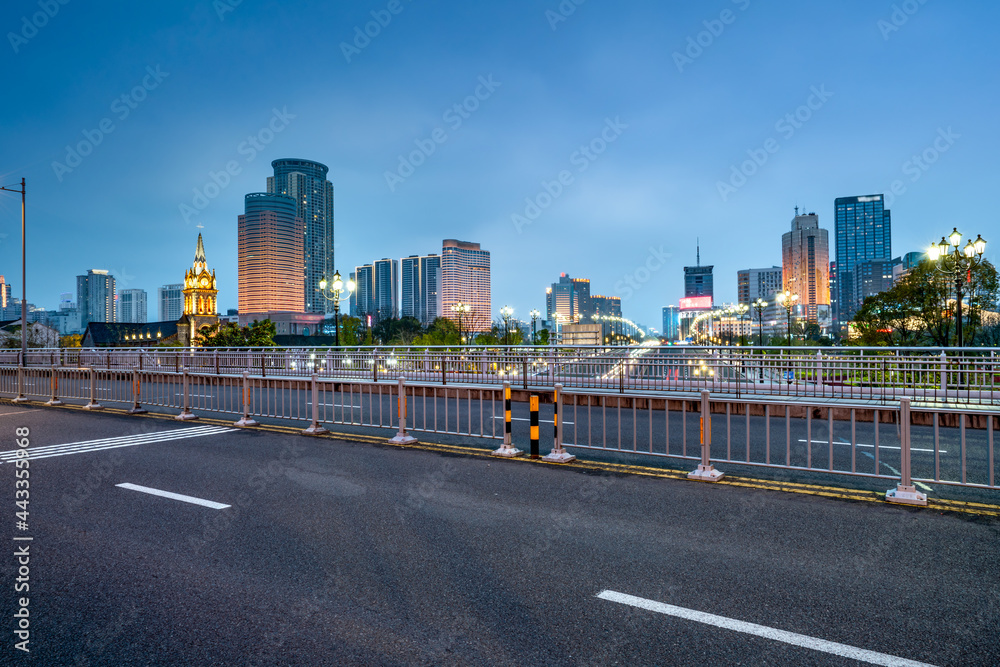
(340, 553)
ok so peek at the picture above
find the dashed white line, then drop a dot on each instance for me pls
(861, 444)
(49, 451)
(793, 638)
(174, 496)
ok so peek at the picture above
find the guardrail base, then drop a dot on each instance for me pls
(403, 440)
(246, 421)
(906, 495)
(54, 402)
(186, 416)
(559, 457)
(19, 399)
(507, 452)
(137, 411)
(93, 406)
(314, 430)
(706, 474)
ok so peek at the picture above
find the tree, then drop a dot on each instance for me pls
(442, 331)
(393, 331)
(71, 340)
(228, 334)
(543, 337)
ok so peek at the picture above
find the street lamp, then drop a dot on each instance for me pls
(788, 301)
(741, 311)
(506, 313)
(957, 264)
(459, 309)
(337, 288)
(24, 280)
(760, 305)
(534, 318)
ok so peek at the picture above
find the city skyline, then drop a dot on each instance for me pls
(630, 139)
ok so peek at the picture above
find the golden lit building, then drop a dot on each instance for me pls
(200, 299)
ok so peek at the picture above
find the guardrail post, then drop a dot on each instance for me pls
(21, 398)
(93, 404)
(401, 437)
(186, 414)
(444, 365)
(136, 408)
(558, 453)
(245, 420)
(507, 450)
(314, 427)
(944, 371)
(54, 385)
(706, 472)
(533, 415)
(905, 492)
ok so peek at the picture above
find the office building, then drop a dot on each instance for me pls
(95, 297)
(465, 277)
(862, 228)
(306, 183)
(363, 298)
(610, 306)
(171, 302)
(132, 306)
(270, 255)
(672, 323)
(753, 284)
(385, 295)
(420, 287)
(698, 282)
(872, 276)
(805, 264)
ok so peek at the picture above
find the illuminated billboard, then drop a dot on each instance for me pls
(696, 303)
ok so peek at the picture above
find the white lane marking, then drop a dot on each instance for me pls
(860, 444)
(524, 419)
(896, 472)
(174, 496)
(4, 414)
(49, 451)
(793, 638)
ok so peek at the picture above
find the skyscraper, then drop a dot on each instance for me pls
(465, 277)
(171, 302)
(305, 182)
(363, 298)
(420, 290)
(671, 322)
(270, 255)
(753, 284)
(805, 263)
(95, 297)
(386, 293)
(132, 306)
(698, 280)
(863, 232)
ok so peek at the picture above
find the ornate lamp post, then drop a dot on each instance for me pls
(337, 288)
(460, 309)
(506, 313)
(760, 305)
(534, 318)
(788, 301)
(741, 311)
(957, 264)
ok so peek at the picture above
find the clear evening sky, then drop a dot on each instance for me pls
(634, 115)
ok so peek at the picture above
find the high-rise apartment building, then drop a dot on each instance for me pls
(420, 287)
(132, 306)
(671, 322)
(805, 263)
(363, 297)
(270, 255)
(95, 297)
(610, 306)
(862, 227)
(171, 302)
(569, 299)
(465, 277)
(753, 284)
(306, 183)
(385, 273)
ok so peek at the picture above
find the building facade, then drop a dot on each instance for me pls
(863, 231)
(698, 281)
(805, 264)
(385, 295)
(306, 183)
(95, 297)
(753, 284)
(270, 255)
(171, 302)
(132, 306)
(465, 277)
(671, 323)
(420, 287)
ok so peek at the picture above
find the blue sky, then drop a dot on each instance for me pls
(671, 117)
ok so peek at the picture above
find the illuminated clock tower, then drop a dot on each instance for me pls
(200, 295)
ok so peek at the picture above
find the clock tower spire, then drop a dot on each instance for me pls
(200, 297)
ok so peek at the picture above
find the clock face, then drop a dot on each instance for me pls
(204, 282)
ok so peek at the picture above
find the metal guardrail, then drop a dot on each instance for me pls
(920, 446)
(969, 376)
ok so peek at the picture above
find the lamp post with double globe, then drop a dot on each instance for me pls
(957, 264)
(337, 287)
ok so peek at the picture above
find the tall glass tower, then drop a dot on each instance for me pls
(863, 232)
(305, 181)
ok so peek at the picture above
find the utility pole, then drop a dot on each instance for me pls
(24, 276)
